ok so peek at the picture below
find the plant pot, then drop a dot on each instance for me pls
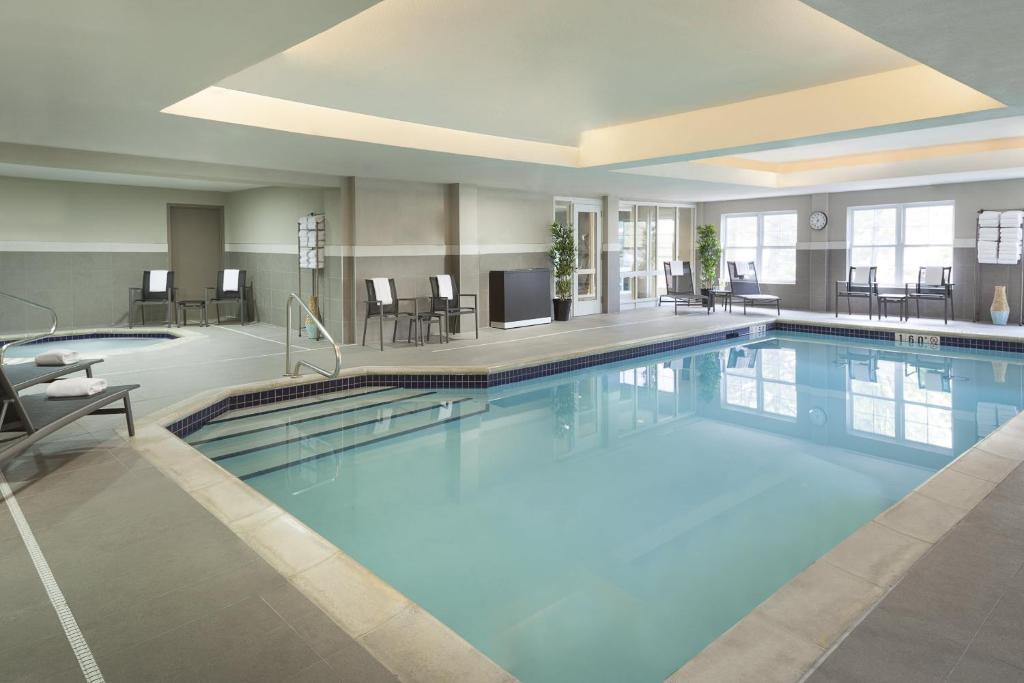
(1000, 310)
(563, 307)
(311, 331)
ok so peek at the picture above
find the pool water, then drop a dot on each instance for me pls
(87, 347)
(607, 524)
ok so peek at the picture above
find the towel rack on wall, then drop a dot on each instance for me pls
(978, 302)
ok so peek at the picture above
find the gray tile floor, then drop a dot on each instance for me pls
(163, 591)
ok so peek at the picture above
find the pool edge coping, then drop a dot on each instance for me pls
(779, 625)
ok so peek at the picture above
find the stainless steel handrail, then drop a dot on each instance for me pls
(288, 343)
(30, 338)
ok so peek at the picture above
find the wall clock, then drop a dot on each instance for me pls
(818, 220)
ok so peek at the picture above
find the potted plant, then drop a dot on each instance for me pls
(709, 251)
(563, 263)
(709, 376)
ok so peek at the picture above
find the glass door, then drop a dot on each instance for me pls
(587, 226)
(650, 235)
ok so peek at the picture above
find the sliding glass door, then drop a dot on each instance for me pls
(650, 234)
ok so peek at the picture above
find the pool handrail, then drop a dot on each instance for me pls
(32, 337)
(288, 343)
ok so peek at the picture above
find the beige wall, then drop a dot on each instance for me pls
(390, 213)
(268, 215)
(513, 218)
(57, 211)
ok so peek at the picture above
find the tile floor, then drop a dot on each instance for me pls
(163, 591)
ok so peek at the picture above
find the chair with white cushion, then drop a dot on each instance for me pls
(934, 283)
(745, 287)
(861, 283)
(446, 299)
(230, 289)
(157, 290)
(679, 285)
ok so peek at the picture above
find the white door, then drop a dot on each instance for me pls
(587, 230)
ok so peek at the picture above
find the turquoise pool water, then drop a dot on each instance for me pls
(606, 525)
(86, 347)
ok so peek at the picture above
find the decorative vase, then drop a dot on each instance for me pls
(1000, 307)
(311, 331)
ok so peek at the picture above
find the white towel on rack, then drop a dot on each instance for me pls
(231, 279)
(676, 268)
(1011, 234)
(1008, 260)
(989, 215)
(382, 290)
(1011, 219)
(158, 281)
(994, 223)
(988, 234)
(988, 258)
(444, 287)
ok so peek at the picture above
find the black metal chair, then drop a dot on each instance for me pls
(451, 306)
(934, 283)
(861, 283)
(746, 288)
(377, 308)
(230, 289)
(679, 286)
(157, 290)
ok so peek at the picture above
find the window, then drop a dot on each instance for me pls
(650, 234)
(900, 238)
(767, 239)
(762, 380)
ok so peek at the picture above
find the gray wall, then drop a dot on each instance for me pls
(821, 259)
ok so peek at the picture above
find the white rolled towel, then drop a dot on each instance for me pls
(57, 357)
(990, 234)
(989, 223)
(1011, 234)
(76, 386)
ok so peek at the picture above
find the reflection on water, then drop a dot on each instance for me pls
(607, 524)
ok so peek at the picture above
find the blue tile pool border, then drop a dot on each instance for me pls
(98, 335)
(190, 423)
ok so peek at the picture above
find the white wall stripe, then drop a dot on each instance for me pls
(85, 247)
(396, 249)
(83, 654)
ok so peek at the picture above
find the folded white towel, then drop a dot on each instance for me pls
(988, 247)
(382, 290)
(987, 258)
(57, 357)
(988, 233)
(1011, 234)
(76, 386)
(988, 215)
(158, 281)
(676, 268)
(933, 276)
(231, 280)
(444, 287)
(988, 222)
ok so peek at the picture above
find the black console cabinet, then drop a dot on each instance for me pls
(520, 297)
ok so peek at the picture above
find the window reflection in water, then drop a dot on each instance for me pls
(762, 380)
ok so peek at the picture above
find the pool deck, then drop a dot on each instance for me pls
(163, 590)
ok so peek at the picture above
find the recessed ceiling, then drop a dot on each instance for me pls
(547, 71)
(106, 178)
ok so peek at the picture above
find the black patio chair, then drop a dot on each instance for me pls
(745, 287)
(449, 302)
(679, 286)
(230, 289)
(383, 303)
(934, 283)
(157, 290)
(861, 283)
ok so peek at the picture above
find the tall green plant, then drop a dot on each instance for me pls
(709, 251)
(563, 259)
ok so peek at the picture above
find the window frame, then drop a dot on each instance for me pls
(761, 247)
(901, 244)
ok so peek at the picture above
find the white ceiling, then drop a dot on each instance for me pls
(547, 71)
(106, 178)
(94, 77)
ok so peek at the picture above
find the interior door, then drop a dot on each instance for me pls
(588, 259)
(196, 242)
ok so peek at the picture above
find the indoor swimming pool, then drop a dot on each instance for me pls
(608, 523)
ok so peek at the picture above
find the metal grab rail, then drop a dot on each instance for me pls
(30, 338)
(288, 343)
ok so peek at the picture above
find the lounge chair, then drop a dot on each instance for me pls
(24, 375)
(32, 417)
(934, 283)
(446, 300)
(157, 290)
(679, 286)
(230, 289)
(745, 287)
(861, 283)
